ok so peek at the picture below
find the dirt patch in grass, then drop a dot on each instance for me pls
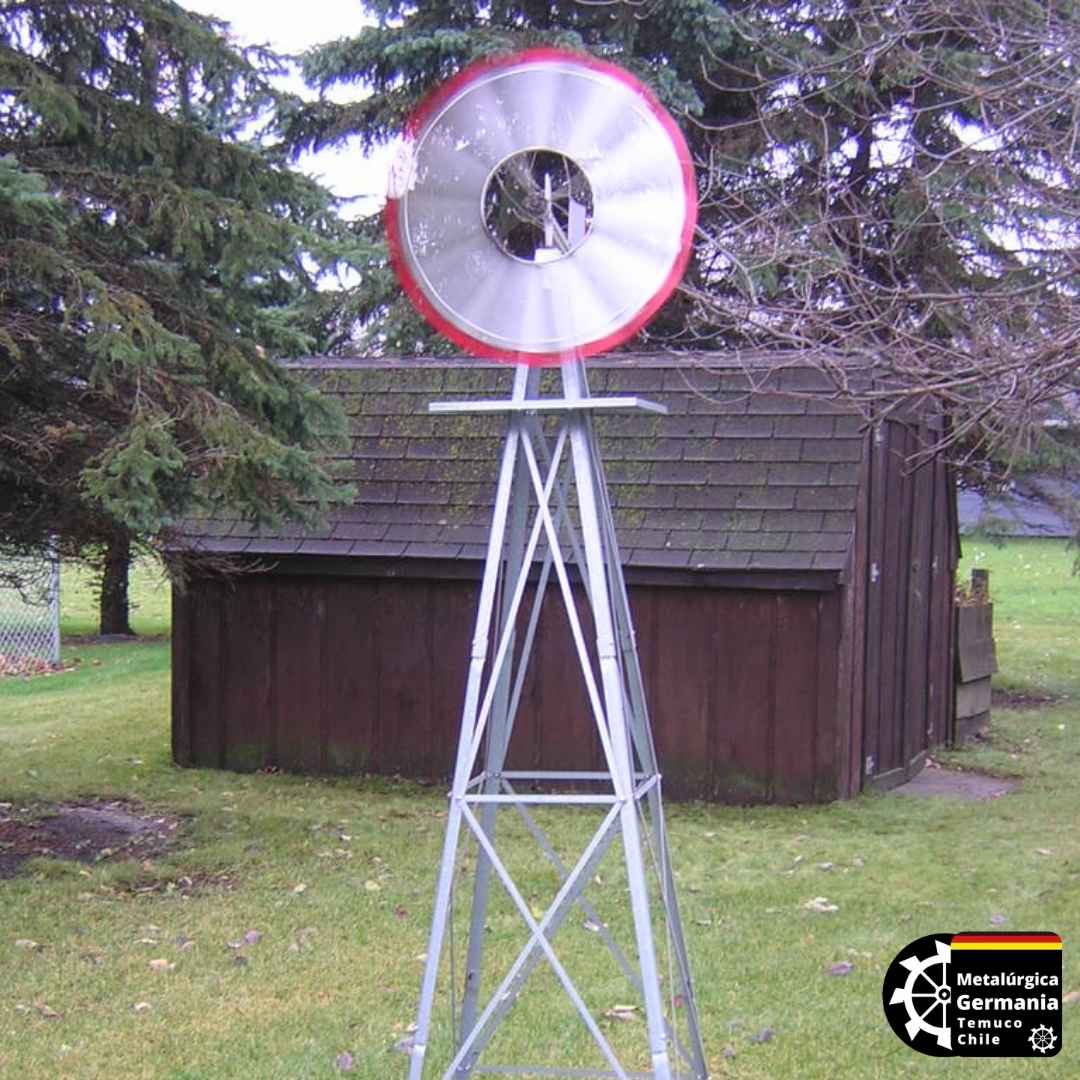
(25, 667)
(184, 884)
(114, 639)
(87, 831)
(1017, 699)
(952, 783)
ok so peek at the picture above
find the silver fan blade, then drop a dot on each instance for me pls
(549, 207)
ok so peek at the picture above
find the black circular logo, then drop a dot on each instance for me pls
(917, 995)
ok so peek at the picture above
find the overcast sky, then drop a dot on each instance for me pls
(291, 28)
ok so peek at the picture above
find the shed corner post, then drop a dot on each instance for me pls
(181, 674)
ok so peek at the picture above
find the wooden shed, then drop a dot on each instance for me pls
(790, 571)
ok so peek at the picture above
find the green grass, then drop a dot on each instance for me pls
(1036, 599)
(337, 967)
(150, 594)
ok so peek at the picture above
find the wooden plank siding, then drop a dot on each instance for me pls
(909, 585)
(367, 674)
(874, 631)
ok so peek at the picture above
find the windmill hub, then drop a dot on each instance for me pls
(537, 205)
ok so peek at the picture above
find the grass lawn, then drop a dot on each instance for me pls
(284, 929)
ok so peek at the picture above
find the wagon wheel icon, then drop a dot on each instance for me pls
(926, 995)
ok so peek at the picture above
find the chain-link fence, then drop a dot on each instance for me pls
(29, 615)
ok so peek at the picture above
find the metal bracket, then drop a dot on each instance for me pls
(548, 405)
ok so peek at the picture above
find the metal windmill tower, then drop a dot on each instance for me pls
(541, 212)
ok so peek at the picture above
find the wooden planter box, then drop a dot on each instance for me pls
(976, 658)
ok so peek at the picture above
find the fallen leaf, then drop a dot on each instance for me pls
(824, 865)
(820, 904)
(621, 1012)
(26, 943)
(344, 1061)
(1043, 851)
(372, 886)
(729, 1052)
(161, 964)
(47, 1012)
(302, 887)
(1072, 997)
(240, 961)
(303, 939)
(763, 1036)
(141, 1007)
(844, 967)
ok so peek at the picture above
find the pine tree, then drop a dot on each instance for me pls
(157, 255)
(887, 182)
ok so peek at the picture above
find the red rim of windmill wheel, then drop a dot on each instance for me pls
(543, 206)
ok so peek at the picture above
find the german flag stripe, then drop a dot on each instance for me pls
(1006, 941)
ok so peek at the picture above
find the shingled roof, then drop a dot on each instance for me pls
(748, 470)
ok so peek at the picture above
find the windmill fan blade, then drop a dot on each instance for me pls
(549, 210)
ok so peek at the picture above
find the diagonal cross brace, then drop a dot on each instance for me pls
(593, 916)
(509, 989)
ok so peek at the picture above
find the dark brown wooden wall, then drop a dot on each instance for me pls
(908, 563)
(350, 674)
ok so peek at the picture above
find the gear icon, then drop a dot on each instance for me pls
(926, 996)
(1042, 1039)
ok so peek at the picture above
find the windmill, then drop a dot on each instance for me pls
(540, 212)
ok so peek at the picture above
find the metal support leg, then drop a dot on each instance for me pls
(499, 732)
(615, 706)
(468, 721)
(641, 732)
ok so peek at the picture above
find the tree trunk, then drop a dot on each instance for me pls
(115, 609)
